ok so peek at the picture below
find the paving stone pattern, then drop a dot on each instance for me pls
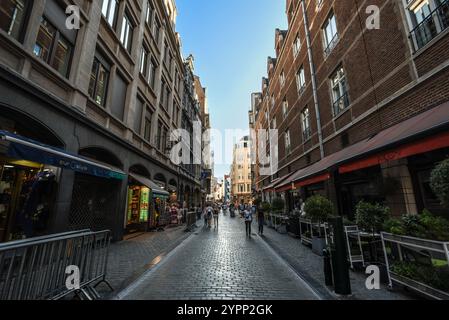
(310, 266)
(130, 258)
(221, 264)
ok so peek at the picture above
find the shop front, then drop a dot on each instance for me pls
(147, 205)
(29, 181)
(27, 192)
(363, 185)
(421, 167)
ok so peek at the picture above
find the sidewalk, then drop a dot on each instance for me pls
(310, 268)
(131, 257)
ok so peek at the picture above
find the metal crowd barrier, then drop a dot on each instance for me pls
(35, 269)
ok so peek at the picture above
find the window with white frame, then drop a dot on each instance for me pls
(144, 59)
(285, 108)
(330, 33)
(126, 36)
(305, 122)
(301, 79)
(288, 145)
(110, 11)
(297, 45)
(149, 14)
(339, 91)
(427, 19)
(152, 72)
(282, 78)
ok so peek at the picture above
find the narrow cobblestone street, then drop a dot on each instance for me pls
(221, 265)
(130, 258)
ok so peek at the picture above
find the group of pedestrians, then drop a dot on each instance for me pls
(248, 213)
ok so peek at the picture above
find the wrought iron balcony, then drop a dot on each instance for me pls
(307, 134)
(435, 23)
(331, 45)
(341, 104)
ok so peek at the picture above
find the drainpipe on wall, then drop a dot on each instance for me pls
(313, 76)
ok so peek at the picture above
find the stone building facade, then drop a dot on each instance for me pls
(241, 172)
(109, 93)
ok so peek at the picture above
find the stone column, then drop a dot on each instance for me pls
(398, 187)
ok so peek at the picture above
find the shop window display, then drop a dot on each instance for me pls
(27, 193)
(138, 204)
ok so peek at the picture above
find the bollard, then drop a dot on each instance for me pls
(340, 265)
(327, 268)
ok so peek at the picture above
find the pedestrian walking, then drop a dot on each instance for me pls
(248, 215)
(261, 220)
(216, 216)
(207, 216)
(210, 215)
(198, 212)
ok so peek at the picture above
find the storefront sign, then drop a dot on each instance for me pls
(22, 148)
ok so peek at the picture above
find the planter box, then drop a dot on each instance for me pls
(318, 245)
(282, 229)
(305, 230)
(415, 250)
(419, 287)
(293, 227)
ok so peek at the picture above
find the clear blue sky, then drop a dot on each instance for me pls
(231, 40)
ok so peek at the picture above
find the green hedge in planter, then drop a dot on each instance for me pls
(434, 276)
(266, 207)
(425, 226)
(439, 182)
(319, 209)
(278, 205)
(371, 217)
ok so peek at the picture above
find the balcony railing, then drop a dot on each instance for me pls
(331, 45)
(307, 134)
(435, 23)
(341, 104)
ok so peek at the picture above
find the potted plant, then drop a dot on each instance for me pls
(318, 209)
(439, 182)
(278, 207)
(371, 217)
(293, 223)
(266, 207)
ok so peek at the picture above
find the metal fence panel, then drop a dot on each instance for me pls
(35, 269)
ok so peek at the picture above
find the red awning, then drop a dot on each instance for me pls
(378, 149)
(317, 171)
(272, 186)
(394, 143)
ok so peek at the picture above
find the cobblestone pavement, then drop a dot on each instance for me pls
(221, 265)
(130, 258)
(310, 267)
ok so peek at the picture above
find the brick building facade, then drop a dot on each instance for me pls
(346, 98)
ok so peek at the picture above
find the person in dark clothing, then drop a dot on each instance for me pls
(260, 220)
(248, 216)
